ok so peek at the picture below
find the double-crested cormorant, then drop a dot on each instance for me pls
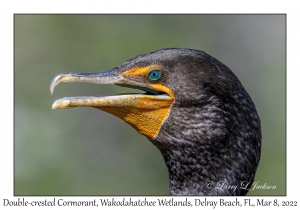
(194, 110)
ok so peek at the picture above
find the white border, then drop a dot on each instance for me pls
(8, 8)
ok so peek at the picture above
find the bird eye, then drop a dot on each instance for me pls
(154, 75)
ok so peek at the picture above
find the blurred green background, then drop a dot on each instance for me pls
(84, 151)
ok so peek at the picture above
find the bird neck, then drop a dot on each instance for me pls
(205, 174)
(204, 154)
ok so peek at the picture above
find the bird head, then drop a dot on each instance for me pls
(194, 109)
(169, 77)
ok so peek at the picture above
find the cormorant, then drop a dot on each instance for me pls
(194, 110)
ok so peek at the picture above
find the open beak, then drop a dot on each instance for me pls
(144, 111)
(107, 77)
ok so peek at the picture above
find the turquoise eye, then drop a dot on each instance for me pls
(154, 75)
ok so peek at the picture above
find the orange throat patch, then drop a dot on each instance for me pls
(145, 114)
